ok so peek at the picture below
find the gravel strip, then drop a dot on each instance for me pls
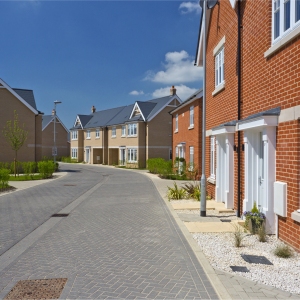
(221, 253)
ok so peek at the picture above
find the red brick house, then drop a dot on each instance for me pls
(186, 124)
(253, 109)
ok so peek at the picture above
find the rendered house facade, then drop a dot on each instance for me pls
(127, 135)
(187, 124)
(22, 101)
(253, 109)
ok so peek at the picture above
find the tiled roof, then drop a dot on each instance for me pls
(27, 95)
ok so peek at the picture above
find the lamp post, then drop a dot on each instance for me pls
(54, 151)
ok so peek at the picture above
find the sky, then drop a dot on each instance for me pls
(101, 53)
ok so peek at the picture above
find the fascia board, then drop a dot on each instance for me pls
(60, 122)
(136, 106)
(47, 125)
(18, 97)
(171, 99)
(78, 119)
(187, 103)
(223, 130)
(258, 122)
(233, 3)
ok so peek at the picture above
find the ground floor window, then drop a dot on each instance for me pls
(191, 164)
(212, 157)
(74, 153)
(132, 155)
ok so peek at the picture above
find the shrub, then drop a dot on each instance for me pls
(192, 190)
(4, 177)
(160, 166)
(29, 168)
(176, 193)
(262, 234)
(238, 235)
(46, 168)
(66, 159)
(283, 251)
(191, 171)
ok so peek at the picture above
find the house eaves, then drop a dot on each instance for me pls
(3, 84)
(134, 108)
(50, 121)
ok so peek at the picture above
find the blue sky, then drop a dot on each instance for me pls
(102, 53)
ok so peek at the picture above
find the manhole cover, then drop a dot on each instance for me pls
(254, 259)
(59, 215)
(69, 184)
(37, 289)
(239, 269)
(225, 220)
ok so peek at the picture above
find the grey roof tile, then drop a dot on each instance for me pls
(27, 95)
(46, 119)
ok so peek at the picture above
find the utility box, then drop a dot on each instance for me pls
(280, 198)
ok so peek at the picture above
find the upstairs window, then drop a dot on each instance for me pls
(123, 130)
(74, 135)
(219, 67)
(88, 134)
(97, 133)
(132, 129)
(113, 132)
(191, 116)
(285, 17)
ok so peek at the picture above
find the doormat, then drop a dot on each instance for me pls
(239, 269)
(254, 259)
(37, 289)
(59, 215)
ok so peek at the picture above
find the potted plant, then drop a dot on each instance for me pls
(254, 219)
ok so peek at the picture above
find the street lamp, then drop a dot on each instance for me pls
(54, 150)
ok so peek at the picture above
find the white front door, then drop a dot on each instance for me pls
(261, 172)
(87, 155)
(122, 156)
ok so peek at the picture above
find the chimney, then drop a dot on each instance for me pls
(172, 90)
(93, 109)
(53, 112)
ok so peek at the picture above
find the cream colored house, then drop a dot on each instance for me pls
(62, 137)
(22, 101)
(126, 135)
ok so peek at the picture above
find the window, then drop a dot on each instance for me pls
(176, 123)
(74, 153)
(74, 134)
(132, 129)
(212, 157)
(97, 133)
(176, 152)
(191, 116)
(113, 132)
(88, 134)
(286, 16)
(191, 166)
(219, 67)
(123, 130)
(132, 155)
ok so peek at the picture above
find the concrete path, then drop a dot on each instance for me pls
(118, 241)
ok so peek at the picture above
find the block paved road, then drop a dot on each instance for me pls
(119, 240)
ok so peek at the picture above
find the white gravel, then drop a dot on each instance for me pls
(221, 253)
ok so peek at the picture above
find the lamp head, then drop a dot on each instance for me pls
(57, 102)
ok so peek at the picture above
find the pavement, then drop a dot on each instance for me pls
(116, 243)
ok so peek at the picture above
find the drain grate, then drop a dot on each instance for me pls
(37, 289)
(239, 269)
(225, 220)
(59, 215)
(255, 259)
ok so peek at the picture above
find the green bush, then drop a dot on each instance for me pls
(4, 177)
(8, 166)
(46, 168)
(283, 251)
(193, 190)
(160, 166)
(29, 168)
(176, 193)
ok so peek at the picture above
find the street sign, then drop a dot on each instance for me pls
(54, 151)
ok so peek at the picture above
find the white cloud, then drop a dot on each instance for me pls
(190, 7)
(136, 93)
(179, 68)
(183, 92)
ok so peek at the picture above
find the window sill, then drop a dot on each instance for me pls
(97, 138)
(132, 136)
(176, 131)
(282, 42)
(219, 88)
(74, 140)
(113, 137)
(88, 138)
(211, 180)
(123, 136)
(296, 216)
(191, 127)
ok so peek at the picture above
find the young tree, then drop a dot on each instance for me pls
(15, 136)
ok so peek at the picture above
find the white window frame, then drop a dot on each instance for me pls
(212, 157)
(74, 135)
(132, 155)
(191, 117)
(219, 67)
(74, 153)
(113, 131)
(192, 158)
(88, 134)
(132, 129)
(123, 130)
(278, 6)
(97, 133)
(176, 123)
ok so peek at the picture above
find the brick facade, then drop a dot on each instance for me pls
(268, 81)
